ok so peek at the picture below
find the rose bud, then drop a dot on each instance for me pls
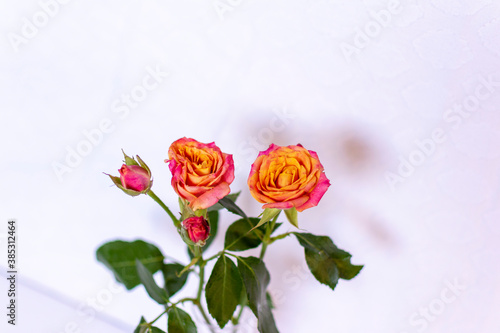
(195, 230)
(201, 173)
(135, 178)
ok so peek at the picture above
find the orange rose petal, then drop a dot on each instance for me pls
(211, 197)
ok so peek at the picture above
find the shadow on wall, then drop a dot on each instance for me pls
(354, 156)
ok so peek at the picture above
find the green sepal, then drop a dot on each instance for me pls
(128, 160)
(185, 237)
(201, 212)
(291, 215)
(117, 181)
(186, 211)
(267, 215)
(144, 165)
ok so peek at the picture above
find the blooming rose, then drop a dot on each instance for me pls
(287, 177)
(201, 173)
(197, 229)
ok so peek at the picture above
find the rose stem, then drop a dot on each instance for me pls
(267, 236)
(201, 263)
(158, 200)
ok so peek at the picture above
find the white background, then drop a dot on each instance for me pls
(365, 84)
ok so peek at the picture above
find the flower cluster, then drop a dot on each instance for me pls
(289, 179)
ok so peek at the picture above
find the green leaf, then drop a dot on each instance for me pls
(173, 283)
(267, 215)
(223, 290)
(232, 207)
(322, 267)
(144, 329)
(256, 279)
(291, 215)
(348, 271)
(270, 302)
(239, 234)
(180, 322)
(326, 261)
(120, 256)
(156, 293)
(218, 206)
(140, 328)
(213, 219)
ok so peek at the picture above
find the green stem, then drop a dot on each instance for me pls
(281, 236)
(201, 263)
(263, 251)
(187, 299)
(267, 237)
(158, 200)
(152, 322)
(214, 256)
(202, 311)
(243, 304)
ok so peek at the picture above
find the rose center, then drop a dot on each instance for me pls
(202, 163)
(287, 176)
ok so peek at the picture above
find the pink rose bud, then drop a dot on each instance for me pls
(196, 229)
(135, 177)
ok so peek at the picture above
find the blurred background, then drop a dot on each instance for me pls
(400, 100)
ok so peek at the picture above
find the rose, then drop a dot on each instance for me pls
(201, 173)
(196, 229)
(135, 177)
(287, 177)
